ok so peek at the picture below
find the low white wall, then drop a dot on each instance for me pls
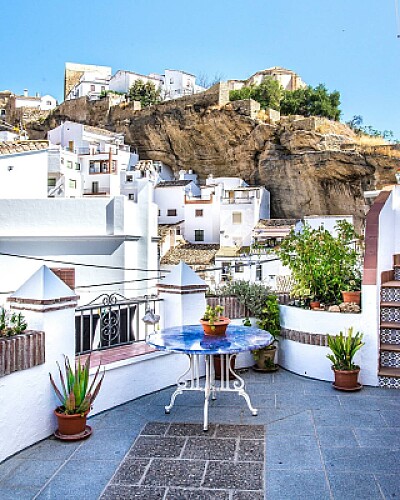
(310, 360)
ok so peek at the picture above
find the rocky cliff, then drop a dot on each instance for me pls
(309, 165)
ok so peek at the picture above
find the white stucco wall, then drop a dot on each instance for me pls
(24, 175)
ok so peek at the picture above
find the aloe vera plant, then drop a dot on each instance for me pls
(344, 348)
(76, 396)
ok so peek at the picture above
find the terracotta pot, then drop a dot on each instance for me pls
(219, 327)
(217, 367)
(346, 379)
(69, 425)
(266, 358)
(354, 297)
(315, 304)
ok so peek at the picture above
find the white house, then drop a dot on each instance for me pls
(116, 233)
(23, 169)
(177, 83)
(122, 81)
(288, 79)
(99, 155)
(42, 103)
(85, 80)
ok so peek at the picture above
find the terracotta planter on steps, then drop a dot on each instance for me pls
(353, 297)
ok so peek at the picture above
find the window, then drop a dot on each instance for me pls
(236, 217)
(159, 213)
(239, 267)
(51, 181)
(77, 166)
(199, 235)
(131, 196)
(69, 164)
(72, 184)
(171, 212)
(171, 81)
(198, 213)
(129, 178)
(103, 89)
(62, 161)
(258, 272)
(178, 231)
(92, 88)
(2, 112)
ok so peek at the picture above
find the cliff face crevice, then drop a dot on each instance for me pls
(309, 165)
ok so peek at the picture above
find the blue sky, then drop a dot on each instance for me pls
(350, 45)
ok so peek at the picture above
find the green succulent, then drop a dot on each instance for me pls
(344, 348)
(76, 396)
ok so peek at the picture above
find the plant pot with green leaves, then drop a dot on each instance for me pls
(344, 347)
(268, 320)
(213, 322)
(76, 397)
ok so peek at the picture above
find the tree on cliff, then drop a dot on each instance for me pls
(146, 93)
(269, 93)
(311, 101)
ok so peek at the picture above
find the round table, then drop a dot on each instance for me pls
(190, 340)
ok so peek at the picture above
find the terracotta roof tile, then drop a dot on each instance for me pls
(7, 148)
(192, 254)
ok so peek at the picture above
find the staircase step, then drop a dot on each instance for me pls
(390, 347)
(391, 284)
(390, 324)
(389, 372)
(390, 304)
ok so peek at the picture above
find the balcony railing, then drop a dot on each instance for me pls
(237, 201)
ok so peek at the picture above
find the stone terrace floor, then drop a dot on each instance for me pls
(319, 444)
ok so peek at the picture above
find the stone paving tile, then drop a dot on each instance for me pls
(157, 446)
(130, 471)
(240, 476)
(391, 418)
(335, 437)
(31, 473)
(310, 402)
(350, 486)
(298, 423)
(199, 494)
(296, 485)
(183, 429)
(13, 493)
(175, 473)
(49, 449)
(121, 492)
(209, 449)
(342, 417)
(118, 443)
(155, 429)
(389, 484)
(248, 495)
(251, 450)
(293, 452)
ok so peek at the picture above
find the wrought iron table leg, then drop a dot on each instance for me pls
(207, 390)
(182, 385)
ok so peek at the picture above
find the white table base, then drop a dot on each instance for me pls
(209, 386)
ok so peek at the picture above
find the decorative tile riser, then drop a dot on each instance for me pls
(391, 314)
(390, 294)
(389, 336)
(390, 359)
(397, 273)
(389, 382)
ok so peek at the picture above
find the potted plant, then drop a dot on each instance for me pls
(76, 397)
(322, 264)
(351, 292)
(268, 320)
(212, 321)
(344, 348)
(11, 323)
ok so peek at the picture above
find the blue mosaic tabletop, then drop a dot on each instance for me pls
(190, 339)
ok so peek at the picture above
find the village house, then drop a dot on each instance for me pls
(85, 80)
(288, 79)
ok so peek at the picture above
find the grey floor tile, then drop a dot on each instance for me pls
(185, 429)
(239, 476)
(248, 495)
(335, 437)
(209, 449)
(297, 423)
(242, 431)
(155, 429)
(77, 480)
(187, 473)
(365, 460)
(389, 484)
(386, 437)
(251, 450)
(304, 485)
(31, 473)
(348, 418)
(391, 418)
(121, 492)
(105, 444)
(130, 471)
(310, 402)
(351, 486)
(50, 449)
(293, 452)
(13, 493)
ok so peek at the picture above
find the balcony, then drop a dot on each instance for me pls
(237, 200)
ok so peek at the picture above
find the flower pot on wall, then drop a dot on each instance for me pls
(217, 328)
(315, 304)
(353, 297)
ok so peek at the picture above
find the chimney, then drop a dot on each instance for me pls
(25, 92)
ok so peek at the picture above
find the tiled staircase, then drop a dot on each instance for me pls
(389, 361)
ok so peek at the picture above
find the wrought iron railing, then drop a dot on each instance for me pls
(112, 320)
